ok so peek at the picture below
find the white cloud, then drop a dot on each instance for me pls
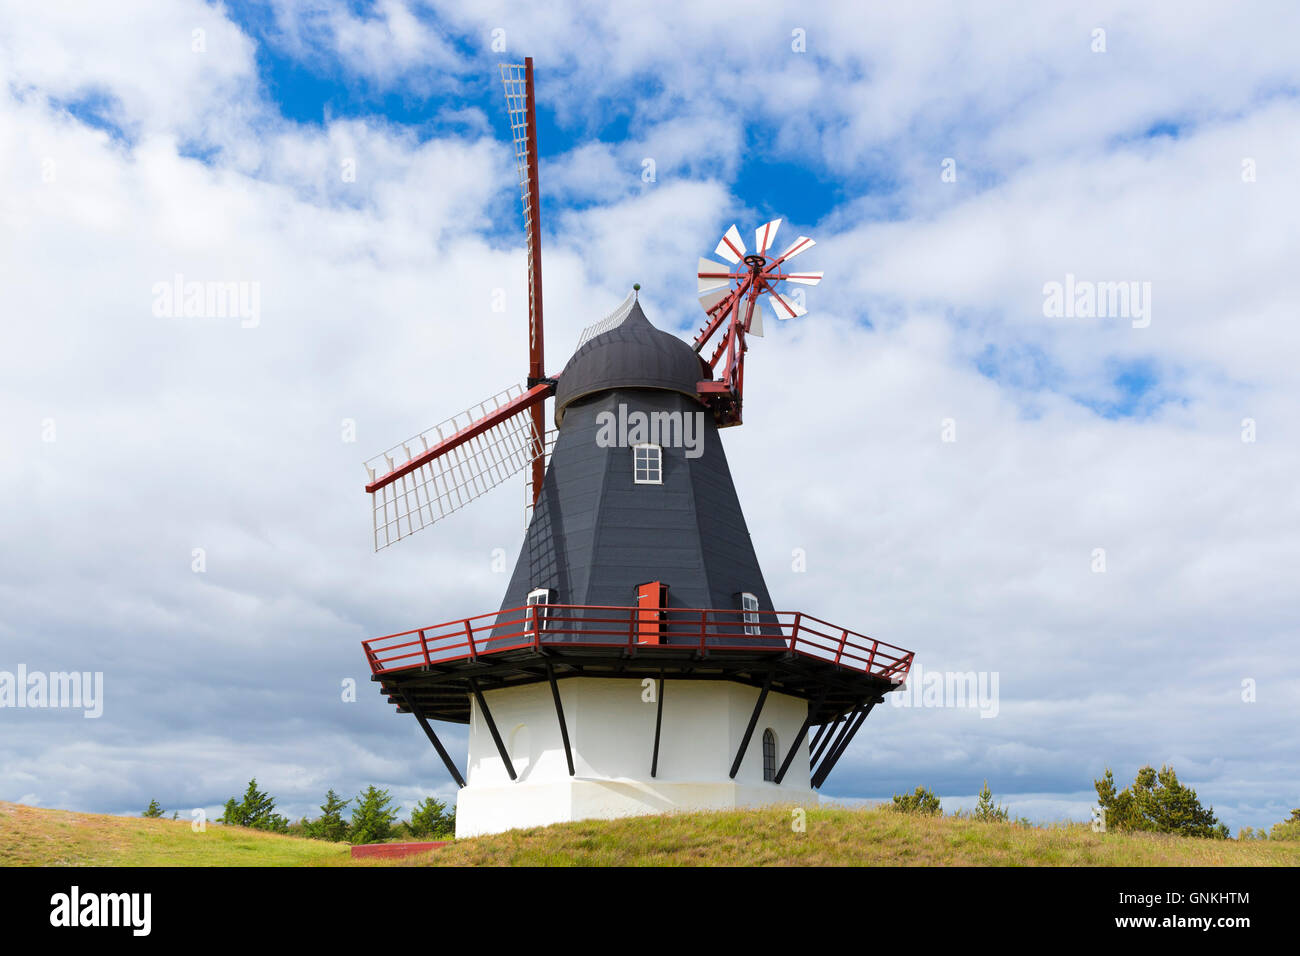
(376, 298)
(181, 67)
(390, 44)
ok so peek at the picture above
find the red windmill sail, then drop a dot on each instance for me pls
(438, 471)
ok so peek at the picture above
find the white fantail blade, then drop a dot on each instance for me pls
(732, 247)
(756, 323)
(710, 299)
(804, 278)
(713, 275)
(802, 244)
(764, 236)
(786, 308)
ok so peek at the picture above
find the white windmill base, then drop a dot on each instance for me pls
(611, 725)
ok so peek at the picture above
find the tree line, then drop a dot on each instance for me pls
(1156, 802)
(373, 818)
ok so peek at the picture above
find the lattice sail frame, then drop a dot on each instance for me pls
(514, 79)
(530, 493)
(452, 480)
(440, 470)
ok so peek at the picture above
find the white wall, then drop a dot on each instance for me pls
(611, 728)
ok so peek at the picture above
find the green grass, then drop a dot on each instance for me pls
(839, 836)
(31, 836)
(834, 836)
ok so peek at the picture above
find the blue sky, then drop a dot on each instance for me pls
(1164, 157)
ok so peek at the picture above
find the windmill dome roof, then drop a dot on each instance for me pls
(633, 354)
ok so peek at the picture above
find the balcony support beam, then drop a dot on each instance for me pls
(753, 721)
(492, 728)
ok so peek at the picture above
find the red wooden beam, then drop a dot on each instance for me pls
(536, 339)
(534, 396)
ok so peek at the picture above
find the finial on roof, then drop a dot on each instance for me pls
(636, 287)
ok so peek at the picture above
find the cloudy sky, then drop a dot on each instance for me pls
(1102, 511)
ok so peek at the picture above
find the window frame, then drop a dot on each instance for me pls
(542, 616)
(749, 615)
(769, 755)
(658, 469)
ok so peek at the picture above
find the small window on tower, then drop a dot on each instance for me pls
(769, 755)
(542, 596)
(749, 604)
(647, 465)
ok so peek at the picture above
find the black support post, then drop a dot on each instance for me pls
(824, 735)
(794, 747)
(559, 712)
(838, 751)
(492, 727)
(433, 739)
(812, 744)
(659, 722)
(846, 732)
(753, 721)
(835, 740)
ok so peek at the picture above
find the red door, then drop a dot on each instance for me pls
(651, 598)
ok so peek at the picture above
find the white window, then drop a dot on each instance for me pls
(538, 596)
(749, 604)
(647, 465)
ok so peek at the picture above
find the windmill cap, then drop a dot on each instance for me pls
(633, 354)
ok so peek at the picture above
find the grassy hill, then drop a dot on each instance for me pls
(31, 836)
(834, 836)
(837, 836)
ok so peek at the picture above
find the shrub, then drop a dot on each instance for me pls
(1288, 829)
(153, 811)
(1156, 803)
(330, 825)
(922, 801)
(431, 819)
(372, 817)
(256, 810)
(985, 811)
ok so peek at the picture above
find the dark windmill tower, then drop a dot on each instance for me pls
(637, 663)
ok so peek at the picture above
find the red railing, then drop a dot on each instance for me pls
(621, 627)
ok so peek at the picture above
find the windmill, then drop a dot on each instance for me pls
(636, 651)
(730, 294)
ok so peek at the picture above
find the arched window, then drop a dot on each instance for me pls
(769, 754)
